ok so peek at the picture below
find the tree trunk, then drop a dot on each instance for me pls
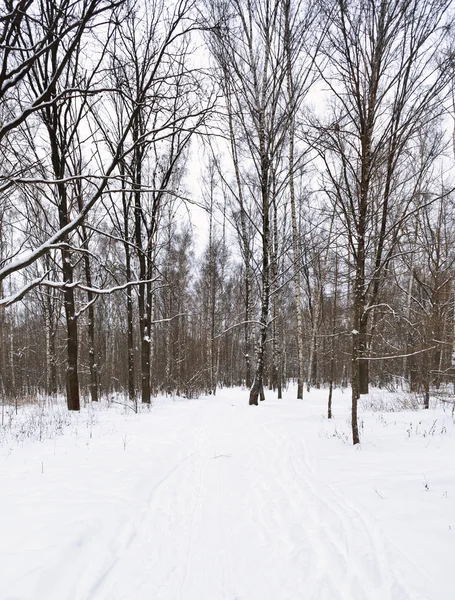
(130, 332)
(363, 364)
(295, 238)
(258, 382)
(358, 310)
(93, 367)
(311, 376)
(248, 330)
(406, 370)
(332, 344)
(168, 308)
(274, 374)
(426, 404)
(129, 294)
(149, 305)
(51, 359)
(142, 288)
(2, 338)
(72, 379)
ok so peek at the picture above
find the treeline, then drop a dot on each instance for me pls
(316, 137)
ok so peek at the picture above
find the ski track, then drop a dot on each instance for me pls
(233, 511)
(350, 560)
(232, 485)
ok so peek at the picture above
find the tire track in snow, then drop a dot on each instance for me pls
(165, 551)
(129, 535)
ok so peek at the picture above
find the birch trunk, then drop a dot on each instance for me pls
(295, 237)
(257, 387)
(314, 336)
(332, 344)
(248, 330)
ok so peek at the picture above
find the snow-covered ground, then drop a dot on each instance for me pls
(211, 499)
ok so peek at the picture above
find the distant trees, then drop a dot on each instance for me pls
(431, 299)
(258, 49)
(328, 192)
(244, 47)
(159, 97)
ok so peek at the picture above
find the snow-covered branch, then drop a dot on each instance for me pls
(397, 355)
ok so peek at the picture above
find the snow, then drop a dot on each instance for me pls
(212, 499)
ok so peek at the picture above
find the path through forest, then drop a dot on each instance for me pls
(204, 500)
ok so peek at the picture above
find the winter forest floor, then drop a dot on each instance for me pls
(211, 499)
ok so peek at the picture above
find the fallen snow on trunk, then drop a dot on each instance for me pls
(212, 499)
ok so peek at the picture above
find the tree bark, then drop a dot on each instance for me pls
(295, 238)
(129, 295)
(332, 342)
(93, 367)
(248, 330)
(142, 258)
(258, 382)
(72, 377)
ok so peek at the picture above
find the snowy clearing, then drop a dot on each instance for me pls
(211, 499)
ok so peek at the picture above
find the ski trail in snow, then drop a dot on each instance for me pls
(134, 535)
(354, 559)
(243, 516)
(197, 508)
(375, 556)
(128, 534)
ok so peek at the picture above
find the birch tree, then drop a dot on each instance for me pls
(387, 71)
(248, 48)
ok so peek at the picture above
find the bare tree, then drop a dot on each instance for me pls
(32, 32)
(386, 71)
(249, 50)
(161, 97)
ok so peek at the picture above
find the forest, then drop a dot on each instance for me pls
(227, 299)
(201, 194)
